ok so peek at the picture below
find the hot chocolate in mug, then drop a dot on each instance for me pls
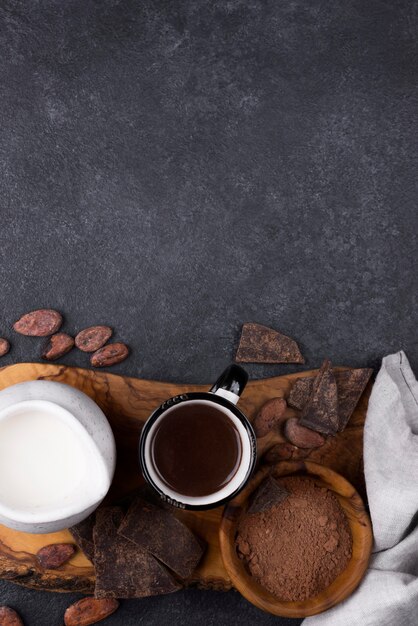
(198, 450)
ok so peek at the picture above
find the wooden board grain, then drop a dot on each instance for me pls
(127, 402)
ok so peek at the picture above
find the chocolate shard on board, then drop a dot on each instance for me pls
(83, 536)
(268, 495)
(122, 569)
(260, 344)
(321, 411)
(300, 392)
(157, 531)
(350, 385)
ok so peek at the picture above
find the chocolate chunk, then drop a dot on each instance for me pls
(267, 495)
(83, 536)
(321, 411)
(157, 530)
(301, 436)
(122, 569)
(350, 385)
(300, 392)
(260, 344)
(270, 415)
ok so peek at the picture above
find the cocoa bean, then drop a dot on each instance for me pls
(55, 554)
(89, 611)
(4, 346)
(269, 416)
(92, 338)
(109, 355)
(39, 323)
(9, 617)
(301, 436)
(58, 345)
(284, 452)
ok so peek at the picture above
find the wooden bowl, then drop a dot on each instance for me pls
(342, 586)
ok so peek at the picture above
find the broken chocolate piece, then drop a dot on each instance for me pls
(350, 385)
(122, 569)
(267, 495)
(260, 344)
(300, 392)
(321, 411)
(270, 415)
(157, 531)
(83, 536)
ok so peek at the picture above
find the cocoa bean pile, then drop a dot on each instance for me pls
(47, 323)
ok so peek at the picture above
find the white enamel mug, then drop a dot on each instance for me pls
(57, 456)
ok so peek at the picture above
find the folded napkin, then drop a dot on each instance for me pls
(388, 595)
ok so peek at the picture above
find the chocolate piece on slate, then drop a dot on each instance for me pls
(270, 415)
(157, 531)
(267, 495)
(351, 384)
(260, 344)
(122, 569)
(321, 411)
(83, 536)
(300, 392)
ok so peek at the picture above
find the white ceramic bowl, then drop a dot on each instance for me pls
(88, 427)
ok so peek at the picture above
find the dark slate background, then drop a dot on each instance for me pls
(177, 168)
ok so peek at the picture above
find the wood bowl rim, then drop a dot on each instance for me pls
(342, 586)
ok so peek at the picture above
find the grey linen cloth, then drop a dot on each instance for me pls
(388, 595)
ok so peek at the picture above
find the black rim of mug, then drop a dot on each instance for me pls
(175, 401)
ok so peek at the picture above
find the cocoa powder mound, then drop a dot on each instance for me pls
(298, 547)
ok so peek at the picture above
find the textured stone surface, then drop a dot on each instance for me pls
(174, 169)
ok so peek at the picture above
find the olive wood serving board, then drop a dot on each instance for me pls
(127, 402)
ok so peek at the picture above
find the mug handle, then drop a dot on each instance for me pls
(231, 383)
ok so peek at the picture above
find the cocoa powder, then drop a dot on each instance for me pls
(298, 547)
